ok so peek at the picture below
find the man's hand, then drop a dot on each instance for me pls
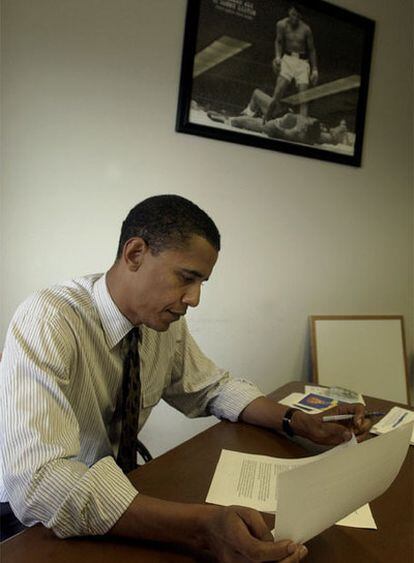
(314, 77)
(276, 64)
(269, 414)
(231, 534)
(240, 535)
(331, 433)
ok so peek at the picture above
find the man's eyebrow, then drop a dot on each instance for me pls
(194, 273)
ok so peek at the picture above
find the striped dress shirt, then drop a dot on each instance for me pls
(61, 379)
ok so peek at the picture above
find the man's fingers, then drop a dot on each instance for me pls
(333, 434)
(239, 534)
(364, 426)
(255, 523)
(262, 546)
(357, 409)
(359, 423)
(362, 437)
(298, 555)
(271, 551)
(297, 552)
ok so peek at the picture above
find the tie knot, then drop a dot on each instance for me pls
(133, 334)
(130, 341)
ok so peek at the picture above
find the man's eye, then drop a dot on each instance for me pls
(187, 279)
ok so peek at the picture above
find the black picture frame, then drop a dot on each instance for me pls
(227, 55)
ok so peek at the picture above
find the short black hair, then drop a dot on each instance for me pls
(167, 221)
(296, 8)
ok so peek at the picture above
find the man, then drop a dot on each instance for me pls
(67, 379)
(295, 59)
(291, 127)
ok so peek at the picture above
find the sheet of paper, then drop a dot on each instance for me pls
(293, 399)
(323, 391)
(298, 400)
(313, 496)
(360, 518)
(395, 418)
(247, 480)
(250, 479)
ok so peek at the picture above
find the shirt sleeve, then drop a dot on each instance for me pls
(199, 388)
(43, 477)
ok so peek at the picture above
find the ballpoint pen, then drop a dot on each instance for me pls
(337, 417)
(397, 422)
(304, 408)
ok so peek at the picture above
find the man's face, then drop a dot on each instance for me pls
(294, 17)
(165, 285)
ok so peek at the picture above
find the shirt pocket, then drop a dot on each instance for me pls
(150, 397)
(157, 356)
(153, 386)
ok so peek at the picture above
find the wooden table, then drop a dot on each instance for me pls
(184, 474)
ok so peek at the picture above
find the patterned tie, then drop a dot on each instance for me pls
(131, 394)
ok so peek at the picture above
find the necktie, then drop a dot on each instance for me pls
(131, 388)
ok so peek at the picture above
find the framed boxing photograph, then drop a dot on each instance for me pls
(279, 75)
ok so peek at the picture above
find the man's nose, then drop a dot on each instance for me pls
(192, 295)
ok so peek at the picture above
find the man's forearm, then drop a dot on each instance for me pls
(227, 533)
(313, 59)
(278, 49)
(264, 412)
(149, 518)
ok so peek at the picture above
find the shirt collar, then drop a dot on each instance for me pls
(114, 323)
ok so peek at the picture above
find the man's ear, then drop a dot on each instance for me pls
(133, 253)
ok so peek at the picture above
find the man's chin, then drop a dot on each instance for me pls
(160, 326)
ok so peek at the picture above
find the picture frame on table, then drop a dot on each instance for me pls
(287, 76)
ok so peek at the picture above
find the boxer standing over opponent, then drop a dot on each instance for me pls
(295, 59)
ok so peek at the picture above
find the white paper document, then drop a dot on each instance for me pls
(360, 518)
(329, 392)
(250, 479)
(293, 399)
(395, 418)
(310, 494)
(312, 497)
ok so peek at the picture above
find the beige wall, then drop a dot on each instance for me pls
(89, 102)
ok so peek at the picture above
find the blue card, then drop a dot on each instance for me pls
(318, 402)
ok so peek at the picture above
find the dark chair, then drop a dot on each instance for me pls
(143, 452)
